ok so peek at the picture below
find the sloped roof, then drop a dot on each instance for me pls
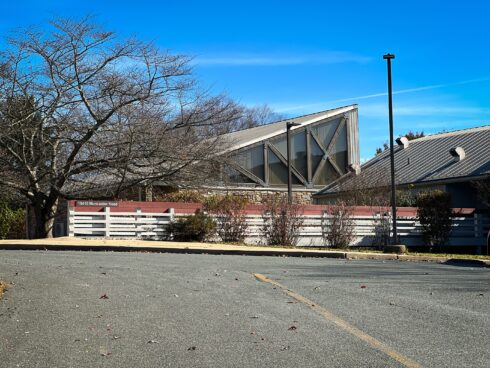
(242, 138)
(426, 159)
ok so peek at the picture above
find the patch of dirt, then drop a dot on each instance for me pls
(3, 286)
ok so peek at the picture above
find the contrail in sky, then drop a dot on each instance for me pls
(402, 91)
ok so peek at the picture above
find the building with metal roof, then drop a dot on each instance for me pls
(324, 146)
(450, 161)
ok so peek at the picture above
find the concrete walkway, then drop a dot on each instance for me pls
(127, 245)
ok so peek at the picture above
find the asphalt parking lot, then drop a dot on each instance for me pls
(98, 309)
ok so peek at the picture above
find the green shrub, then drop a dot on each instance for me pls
(196, 227)
(229, 211)
(12, 222)
(434, 212)
(405, 198)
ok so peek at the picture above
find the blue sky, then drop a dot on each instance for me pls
(306, 56)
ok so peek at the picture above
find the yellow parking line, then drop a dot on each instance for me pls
(376, 344)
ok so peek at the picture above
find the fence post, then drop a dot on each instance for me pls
(171, 211)
(476, 223)
(107, 211)
(137, 227)
(71, 220)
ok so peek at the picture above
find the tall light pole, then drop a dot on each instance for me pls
(289, 125)
(388, 58)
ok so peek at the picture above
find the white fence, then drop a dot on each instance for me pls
(118, 224)
(369, 230)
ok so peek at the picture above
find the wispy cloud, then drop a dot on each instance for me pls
(418, 89)
(381, 94)
(333, 57)
(378, 110)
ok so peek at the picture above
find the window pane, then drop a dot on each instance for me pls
(278, 172)
(281, 145)
(324, 132)
(232, 176)
(316, 155)
(326, 175)
(252, 160)
(339, 153)
(298, 151)
(298, 154)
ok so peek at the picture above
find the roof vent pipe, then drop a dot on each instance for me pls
(403, 142)
(354, 168)
(457, 153)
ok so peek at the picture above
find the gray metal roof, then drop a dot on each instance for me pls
(425, 160)
(246, 137)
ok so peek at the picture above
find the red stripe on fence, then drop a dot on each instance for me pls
(252, 209)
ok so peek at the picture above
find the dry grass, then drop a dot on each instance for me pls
(369, 250)
(3, 286)
(450, 255)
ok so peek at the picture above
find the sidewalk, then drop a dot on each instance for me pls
(70, 243)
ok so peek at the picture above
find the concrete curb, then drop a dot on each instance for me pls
(169, 249)
(277, 252)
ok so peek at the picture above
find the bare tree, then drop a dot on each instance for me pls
(250, 117)
(80, 109)
(282, 221)
(366, 189)
(483, 191)
(338, 225)
(410, 136)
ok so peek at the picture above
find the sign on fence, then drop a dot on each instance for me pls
(92, 203)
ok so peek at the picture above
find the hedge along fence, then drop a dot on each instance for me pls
(12, 222)
(149, 220)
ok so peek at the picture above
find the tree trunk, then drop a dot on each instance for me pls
(488, 243)
(44, 220)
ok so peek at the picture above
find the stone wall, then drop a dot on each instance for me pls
(254, 196)
(259, 196)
